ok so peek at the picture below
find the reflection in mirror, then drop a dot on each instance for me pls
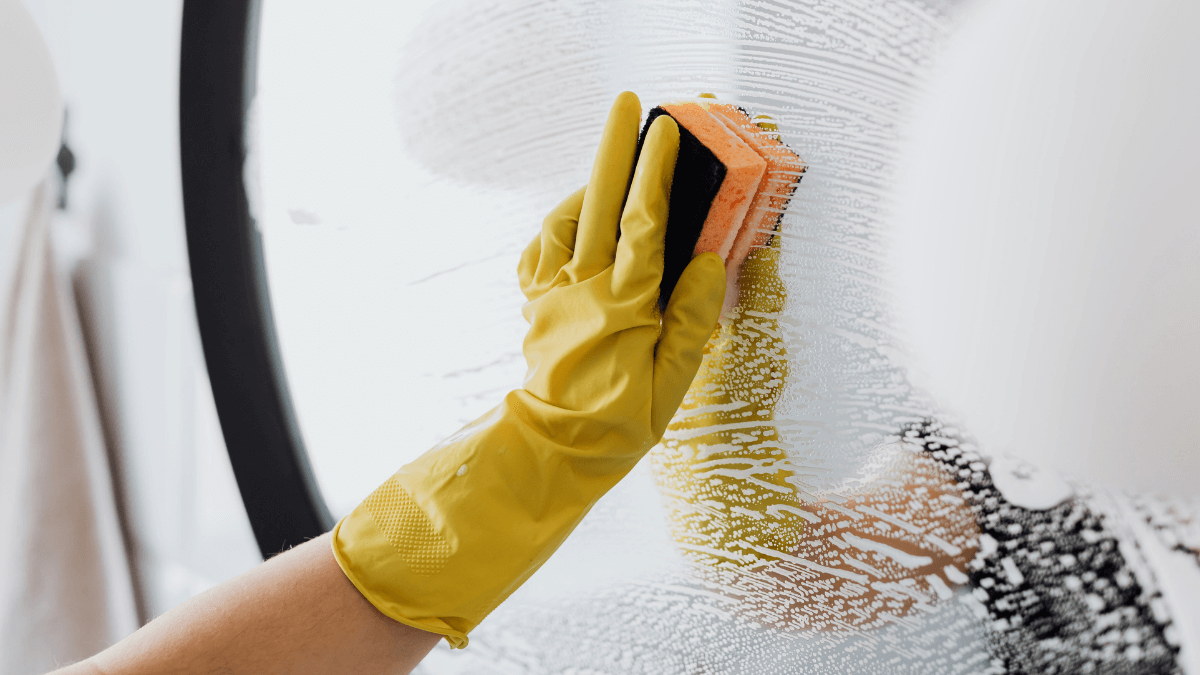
(808, 510)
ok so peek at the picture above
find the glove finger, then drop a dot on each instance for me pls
(596, 241)
(556, 244)
(689, 321)
(639, 261)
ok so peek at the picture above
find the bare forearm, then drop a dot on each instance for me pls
(296, 613)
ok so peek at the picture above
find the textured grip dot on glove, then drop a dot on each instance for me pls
(407, 528)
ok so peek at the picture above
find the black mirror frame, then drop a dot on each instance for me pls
(218, 55)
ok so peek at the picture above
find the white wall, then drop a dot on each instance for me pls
(118, 62)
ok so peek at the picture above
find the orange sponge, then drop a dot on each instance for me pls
(779, 181)
(744, 170)
(732, 182)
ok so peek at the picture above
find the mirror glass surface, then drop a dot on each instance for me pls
(809, 510)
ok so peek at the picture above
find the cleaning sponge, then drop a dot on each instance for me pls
(779, 181)
(716, 175)
(731, 185)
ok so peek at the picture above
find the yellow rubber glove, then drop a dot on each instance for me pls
(449, 537)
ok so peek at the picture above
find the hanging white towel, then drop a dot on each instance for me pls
(65, 587)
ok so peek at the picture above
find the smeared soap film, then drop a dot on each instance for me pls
(808, 510)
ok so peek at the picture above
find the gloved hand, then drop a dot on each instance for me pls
(448, 537)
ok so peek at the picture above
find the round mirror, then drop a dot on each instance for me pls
(809, 508)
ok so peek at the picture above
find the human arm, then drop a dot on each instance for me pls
(296, 613)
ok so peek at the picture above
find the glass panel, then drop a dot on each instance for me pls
(808, 510)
